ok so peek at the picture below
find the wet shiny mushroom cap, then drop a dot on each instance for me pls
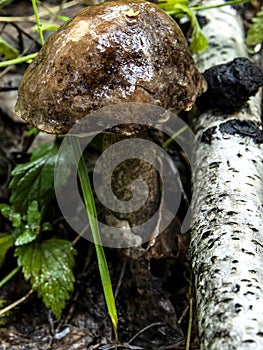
(115, 52)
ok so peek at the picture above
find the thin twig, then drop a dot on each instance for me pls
(156, 324)
(190, 322)
(17, 302)
(120, 279)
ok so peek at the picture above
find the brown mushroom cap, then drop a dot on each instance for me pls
(118, 51)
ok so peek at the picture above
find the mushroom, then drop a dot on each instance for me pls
(112, 53)
(118, 51)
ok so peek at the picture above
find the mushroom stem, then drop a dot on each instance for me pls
(134, 180)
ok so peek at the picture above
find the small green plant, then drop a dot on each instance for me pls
(34, 180)
(255, 32)
(47, 264)
(180, 8)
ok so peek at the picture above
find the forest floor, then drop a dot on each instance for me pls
(154, 291)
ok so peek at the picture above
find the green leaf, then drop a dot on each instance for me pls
(9, 213)
(48, 265)
(26, 228)
(7, 50)
(32, 132)
(199, 42)
(179, 8)
(26, 237)
(32, 228)
(169, 6)
(34, 180)
(255, 32)
(46, 26)
(33, 215)
(6, 242)
(64, 18)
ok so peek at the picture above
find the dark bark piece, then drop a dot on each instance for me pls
(230, 85)
(242, 128)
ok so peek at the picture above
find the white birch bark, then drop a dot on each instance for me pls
(227, 236)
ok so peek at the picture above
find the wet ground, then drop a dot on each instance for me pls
(153, 289)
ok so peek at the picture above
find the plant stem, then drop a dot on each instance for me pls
(208, 7)
(9, 276)
(17, 60)
(42, 41)
(17, 302)
(92, 215)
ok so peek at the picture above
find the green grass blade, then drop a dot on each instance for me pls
(34, 5)
(9, 276)
(92, 215)
(179, 132)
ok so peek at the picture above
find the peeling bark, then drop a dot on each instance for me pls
(227, 231)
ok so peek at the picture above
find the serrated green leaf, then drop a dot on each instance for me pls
(48, 265)
(9, 213)
(26, 237)
(6, 242)
(32, 228)
(255, 32)
(179, 8)
(33, 214)
(7, 50)
(25, 228)
(34, 180)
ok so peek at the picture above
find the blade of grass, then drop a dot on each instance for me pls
(9, 276)
(179, 132)
(92, 215)
(34, 5)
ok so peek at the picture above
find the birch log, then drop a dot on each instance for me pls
(227, 236)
